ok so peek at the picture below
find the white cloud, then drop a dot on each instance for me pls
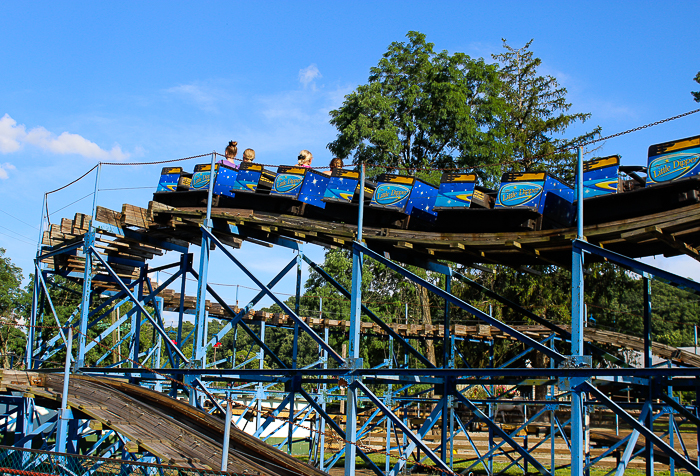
(309, 74)
(14, 136)
(202, 97)
(3, 170)
(10, 133)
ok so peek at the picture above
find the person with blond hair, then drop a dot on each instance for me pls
(304, 159)
(248, 155)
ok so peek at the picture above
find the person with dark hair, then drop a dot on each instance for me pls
(230, 153)
(336, 163)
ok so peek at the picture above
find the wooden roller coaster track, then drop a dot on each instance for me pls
(170, 429)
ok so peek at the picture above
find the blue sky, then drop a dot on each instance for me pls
(83, 82)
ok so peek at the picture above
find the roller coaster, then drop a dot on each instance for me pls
(159, 406)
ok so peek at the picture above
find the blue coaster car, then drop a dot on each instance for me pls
(538, 191)
(600, 176)
(225, 177)
(342, 186)
(252, 178)
(408, 195)
(173, 179)
(672, 161)
(300, 183)
(456, 191)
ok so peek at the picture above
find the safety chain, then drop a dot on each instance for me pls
(646, 126)
(74, 181)
(268, 414)
(157, 161)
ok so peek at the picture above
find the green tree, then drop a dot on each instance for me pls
(14, 302)
(421, 108)
(537, 114)
(696, 94)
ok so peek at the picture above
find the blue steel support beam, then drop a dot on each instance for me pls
(200, 308)
(461, 304)
(58, 251)
(237, 317)
(31, 333)
(354, 339)
(684, 412)
(330, 422)
(405, 429)
(502, 434)
(377, 320)
(446, 362)
(242, 324)
(40, 276)
(158, 309)
(577, 317)
(425, 427)
(489, 456)
(295, 352)
(303, 325)
(637, 266)
(563, 333)
(185, 263)
(648, 446)
(138, 304)
(89, 240)
(642, 429)
(631, 443)
(136, 328)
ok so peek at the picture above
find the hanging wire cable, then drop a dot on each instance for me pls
(123, 188)
(18, 239)
(3, 211)
(72, 203)
(18, 234)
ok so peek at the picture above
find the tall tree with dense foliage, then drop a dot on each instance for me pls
(696, 94)
(422, 109)
(537, 115)
(13, 305)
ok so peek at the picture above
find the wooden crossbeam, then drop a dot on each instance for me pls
(674, 242)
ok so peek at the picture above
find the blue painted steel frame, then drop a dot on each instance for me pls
(352, 369)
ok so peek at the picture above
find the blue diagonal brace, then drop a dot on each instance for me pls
(502, 434)
(59, 251)
(679, 408)
(330, 422)
(245, 326)
(401, 426)
(540, 320)
(365, 310)
(138, 304)
(427, 425)
(631, 444)
(461, 304)
(646, 432)
(253, 302)
(303, 325)
(637, 266)
(283, 404)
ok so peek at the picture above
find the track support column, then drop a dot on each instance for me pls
(354, 339)
(577, 311)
